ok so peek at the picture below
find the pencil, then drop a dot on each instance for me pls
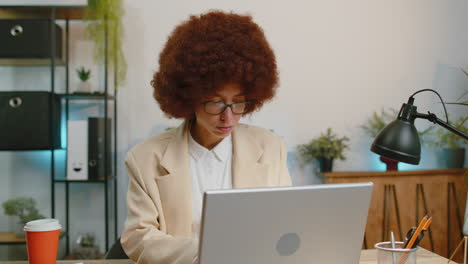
(421, 226)
(428, 223)
(424, 224)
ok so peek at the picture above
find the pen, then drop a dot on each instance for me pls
(392, 239)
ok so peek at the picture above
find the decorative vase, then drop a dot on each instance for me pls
(326, 165)
(392, 165)
(454, 158)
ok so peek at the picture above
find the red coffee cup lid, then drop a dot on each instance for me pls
(42, 225)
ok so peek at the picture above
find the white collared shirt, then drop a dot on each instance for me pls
(211, 170)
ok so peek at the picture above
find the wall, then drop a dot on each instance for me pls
(339, 62)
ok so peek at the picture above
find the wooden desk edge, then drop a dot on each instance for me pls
(367, 257)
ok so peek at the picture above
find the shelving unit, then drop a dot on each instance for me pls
(72, 13)
(7, 238)
(29, 62)
(86, 97)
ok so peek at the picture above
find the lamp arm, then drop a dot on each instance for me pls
(434, 119)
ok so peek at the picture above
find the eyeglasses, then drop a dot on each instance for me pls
(216, 108)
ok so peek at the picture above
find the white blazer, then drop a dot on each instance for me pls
(158, 228)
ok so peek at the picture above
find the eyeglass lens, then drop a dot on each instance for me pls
(219, 107)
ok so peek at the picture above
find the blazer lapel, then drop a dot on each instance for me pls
(176, 187)
(249, 170)
(248, 167)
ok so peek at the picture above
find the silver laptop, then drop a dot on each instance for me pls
(321, 224)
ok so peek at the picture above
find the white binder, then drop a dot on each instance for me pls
(77, 153)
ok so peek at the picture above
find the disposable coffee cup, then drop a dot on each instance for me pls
(42, 237)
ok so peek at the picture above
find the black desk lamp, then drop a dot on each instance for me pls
(399, 140)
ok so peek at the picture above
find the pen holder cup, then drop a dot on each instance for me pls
(398, 255)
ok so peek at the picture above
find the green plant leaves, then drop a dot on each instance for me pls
(23, 207)
(448, 139)
(106, 15)
(328, 145)
(378, 121)
(83, 73)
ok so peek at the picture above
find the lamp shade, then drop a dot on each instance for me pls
(399, 140)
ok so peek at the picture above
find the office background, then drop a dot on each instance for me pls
(339, 61)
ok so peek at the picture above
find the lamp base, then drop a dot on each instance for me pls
(392, 165)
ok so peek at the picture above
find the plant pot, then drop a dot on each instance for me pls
(85, 253)
(392, 165)
(19, 232)
(454, 157)
(84, 87)
(326, 165)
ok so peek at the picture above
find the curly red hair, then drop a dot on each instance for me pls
(210, 50)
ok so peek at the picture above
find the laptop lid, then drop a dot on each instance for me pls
(305, 224)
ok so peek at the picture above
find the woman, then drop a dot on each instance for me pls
(214, 69)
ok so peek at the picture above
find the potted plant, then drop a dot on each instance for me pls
(377, 122)
(25, 209)
(325, 149)
(453, 146)
(85, 247)
(84, 74)
(462, 100)
(104, 18)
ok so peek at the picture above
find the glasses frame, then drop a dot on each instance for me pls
(247, 103)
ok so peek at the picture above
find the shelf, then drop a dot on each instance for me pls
(74, 13)
(45, 3)
(10, 238)
(100, 180)
(18, 150)
(29, 62)
(84, 96)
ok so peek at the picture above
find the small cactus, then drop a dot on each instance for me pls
(83, 73)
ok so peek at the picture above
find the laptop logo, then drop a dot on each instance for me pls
(288, 244)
